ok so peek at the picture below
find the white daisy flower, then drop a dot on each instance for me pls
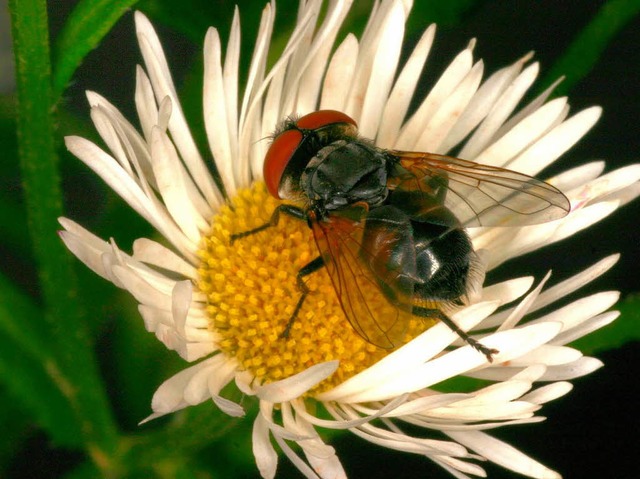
(223, 305)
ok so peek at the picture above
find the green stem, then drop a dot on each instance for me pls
(79, 380)
(587, 47)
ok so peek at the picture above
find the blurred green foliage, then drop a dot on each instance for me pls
(77, 371)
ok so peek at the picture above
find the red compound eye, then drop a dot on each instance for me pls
(285, 145)
(321, 118)
(277, 158)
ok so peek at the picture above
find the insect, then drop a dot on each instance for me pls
(392, 220)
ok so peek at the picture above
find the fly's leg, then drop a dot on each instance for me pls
(431, 312)
(290, 210)
(307, 269)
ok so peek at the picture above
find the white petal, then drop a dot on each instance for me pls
(529, 238)
(195, 344)
(120, 181)
(272, 114)
(141, 290)
(511, 344)
(322, 457)
(580, 310)
(586, 327)
(252, 134)
(565, 372)
(114, 135)
(285, 431)
(523, 134)
(562, 289)
(258, 62)
(295, 459)
(377, 79)
(531, 373)
(180, 303)
(296, 385)
(495, 393)
(441, 123)
(301, 56)
(327, 468)
(485, 412)
(87, 247)
(174, 185)
(231, 81)
(548, 355)
(456, 467)
(315, 58)
(452, 76)
(548, 393)
(129, 148)
(214, 104)
(424, 404)
(403, 91)
(264, 453)
(507, 291)
(625, 195)
(169, 396)
(162, 82)
(339, 73)
(409, 356)
(534, 105)
(146, 105)
(387, 410)
(604, 186)
(546, 150)
(153, 253)
(196, 390)
(503, 454)
(576, 369)
(576, 282)
(523, 308)
(490, 96)
(578, 176)
(403, 442)
(228, 407)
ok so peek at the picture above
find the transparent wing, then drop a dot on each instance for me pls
(379, 317)
(478, 195)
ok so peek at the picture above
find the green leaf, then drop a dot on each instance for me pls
(86, 470)
(586, 48)
(622, 331)
(204, 431)
(8, 129)
(14, 418)
(140, 363)
(75, 366)
(186, 432)
(87, 25)
(16, 237)
(29, 370)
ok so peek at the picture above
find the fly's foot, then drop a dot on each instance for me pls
(488, 352)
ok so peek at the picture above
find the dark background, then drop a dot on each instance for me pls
(593, 431)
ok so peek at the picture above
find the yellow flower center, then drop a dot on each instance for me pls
(252, 294)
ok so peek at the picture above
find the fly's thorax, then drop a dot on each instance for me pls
(346, 172)
(310, 143)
